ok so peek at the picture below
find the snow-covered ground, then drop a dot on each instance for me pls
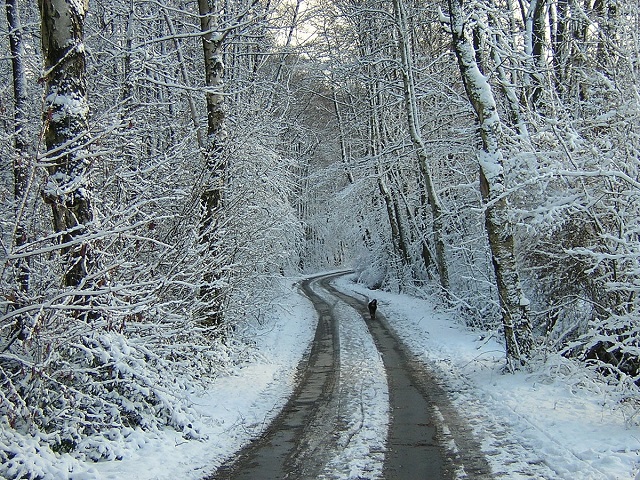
(556, 423)
(238, 407)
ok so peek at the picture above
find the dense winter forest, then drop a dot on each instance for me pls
(163, 163)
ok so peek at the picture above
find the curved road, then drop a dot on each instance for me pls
(427, 439)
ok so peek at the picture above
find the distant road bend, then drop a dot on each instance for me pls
(427, 438)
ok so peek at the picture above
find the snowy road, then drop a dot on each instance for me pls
(363, 408)
(554, 422)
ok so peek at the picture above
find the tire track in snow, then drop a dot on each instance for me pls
(298, 442)
(364, 400)
(332, 427)
(451, 438)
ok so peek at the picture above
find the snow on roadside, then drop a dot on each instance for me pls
(549, 424)
(554, 423)
(235, 409)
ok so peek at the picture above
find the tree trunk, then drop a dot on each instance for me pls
(212, 196)
(214, 71)
(185, 78)
(411, 106)
(535, 27)
(517, 329)
(343, 142)
(558, 44)
(607, 12)
(66, 132)
(21, 154)
(127, 84)
(376, 142)
(391, 215)
(403, 241)
(506, 84)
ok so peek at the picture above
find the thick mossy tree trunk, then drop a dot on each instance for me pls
(66, 133)
(514, 305)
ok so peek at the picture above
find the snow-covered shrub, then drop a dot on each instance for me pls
(29, 456)
(612, 395)
(89, 392)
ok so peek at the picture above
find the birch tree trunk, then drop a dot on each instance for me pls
(21, 154)
(66, 132)
(212, 196)
(411, 107)
(514, 305)
(214, 71)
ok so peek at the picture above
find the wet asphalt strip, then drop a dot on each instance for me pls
(299, 441)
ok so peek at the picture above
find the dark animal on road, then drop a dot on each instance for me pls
(373, 305)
